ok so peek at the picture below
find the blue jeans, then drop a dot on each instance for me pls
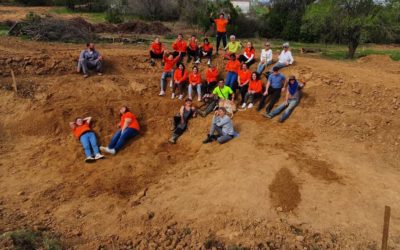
(278, 65)
(120, 139)
(89, 143)
(164, 77)
(292, 103)
(261, 67)
(231, 79)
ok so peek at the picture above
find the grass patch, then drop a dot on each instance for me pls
(27, 239)
(62, 10)
(95, 17)
(341, 54)
(4, 30)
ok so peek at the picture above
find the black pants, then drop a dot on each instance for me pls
(221, 36)
(176, 53)
(192, 53)
(209, 54)
(179, 87)
(243, 59)
(243, 91)
(275, 95)
(211, 106)
(209, 87)
(179, 127)
(156, 56)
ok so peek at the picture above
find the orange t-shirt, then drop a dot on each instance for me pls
(134, 123)
(169, 64)
(79, 130)
(211, 75)
(249, 52)
(179, 77)
(233, 66)
(179, 46)
(206, 47)
(244, 76)
(221, 24)
(157, 48)
(255, 85)
(193, 45)
(194, 78)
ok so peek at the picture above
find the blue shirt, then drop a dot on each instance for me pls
(276, 81)
(89, 55)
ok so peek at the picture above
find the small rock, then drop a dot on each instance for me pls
(300, 238)
(21, 193)
(279, 209)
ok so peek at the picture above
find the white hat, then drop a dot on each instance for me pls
(285, 45)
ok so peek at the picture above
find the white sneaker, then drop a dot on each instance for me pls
(107, 150)
(89, 159)
(162, 93)
(171, 84)
(180, 97)
(209, 62)
(98, 156)
(197, 61)
(250, 105)
(199, 98)
(243, 105)
(173, 96)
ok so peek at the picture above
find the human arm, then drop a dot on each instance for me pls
(266, 88)
(72, 125)
(87, 119)
(287, 97)
(222, 121)
(290, 57)
(181, 115)
(127, 121)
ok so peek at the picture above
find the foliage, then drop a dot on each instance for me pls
(27, 239)
(114, 15)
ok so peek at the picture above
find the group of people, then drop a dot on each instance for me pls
(217, 94)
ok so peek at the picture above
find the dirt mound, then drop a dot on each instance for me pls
(375, 59)
(140, 27)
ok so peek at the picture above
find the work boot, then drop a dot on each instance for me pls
(208, 139)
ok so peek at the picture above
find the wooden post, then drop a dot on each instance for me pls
(386, 221)
(14, 81)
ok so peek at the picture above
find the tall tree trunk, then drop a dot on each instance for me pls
(354, 36)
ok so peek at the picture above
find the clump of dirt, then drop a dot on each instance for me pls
(285, 191)
(375, 59)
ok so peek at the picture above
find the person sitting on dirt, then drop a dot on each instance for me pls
(211, 80)
(82, 131)
(254, 91)
(275, 85)
(233, 47)
(221, 24)
(180, 77)
(222, 125)
(128, 129)
(169, 62)
(90, 59)
(265, 58)
(193, 50)
(243, 81)
(232, 67)
(179, 47)
(156, 51)
(195, 82)
(221, 92)
(285, 58)
(206, 50)
(248, 56)
(293, 96)
(180, 121)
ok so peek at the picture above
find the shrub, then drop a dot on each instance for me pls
(113, 15)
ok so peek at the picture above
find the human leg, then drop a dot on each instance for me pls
(291, 106)
(85, 141)
(277, 110)
(128, 134)
(260, 68)
(275, 95)
(224, 139)
(114, 139)
(93, 143)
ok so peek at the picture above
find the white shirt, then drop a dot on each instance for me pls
(266, 55)
(286, 57)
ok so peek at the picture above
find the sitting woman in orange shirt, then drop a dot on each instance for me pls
(128, 128)
(195, 82)
(180, 77)
(82, 131)
(156, 51)
(248, 55)
(243, 81)
(255, 90)
(211, 80)
(193, 50)
(206, 50)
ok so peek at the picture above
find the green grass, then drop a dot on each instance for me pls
(95, 17)
(27, 239)
(62, 10)
(4, 30)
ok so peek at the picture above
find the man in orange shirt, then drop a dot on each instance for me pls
(221, 24)
(179, 46)
(206, 50)
(156, 51)
(193, 50)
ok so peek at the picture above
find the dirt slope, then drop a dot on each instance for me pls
(320, 180)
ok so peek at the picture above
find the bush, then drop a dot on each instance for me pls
(113, 15)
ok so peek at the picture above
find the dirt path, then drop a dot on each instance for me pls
(319, 180)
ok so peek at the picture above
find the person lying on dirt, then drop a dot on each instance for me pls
(179, 47)
(128, 129)
(211, 80)
(285, 58)
(222, 126)
(195, 82)
(221, 24)
(90, 58)
(254, 91)
(180, 121)
(243, 81)
(221, 92)
(275, 85)
(180, 77)
(169, 62)
(82, 131)
(193, 50)
(232, 67)
(265, 58)
(248, 56)
(233, 47)
(206, 50)
(293, 95)
(156, 51)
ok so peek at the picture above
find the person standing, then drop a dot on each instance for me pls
(221, 24)
(265, 58)
(275, 85)
(223, 126)
(90, 59)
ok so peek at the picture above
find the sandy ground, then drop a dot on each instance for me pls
(320, 180)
